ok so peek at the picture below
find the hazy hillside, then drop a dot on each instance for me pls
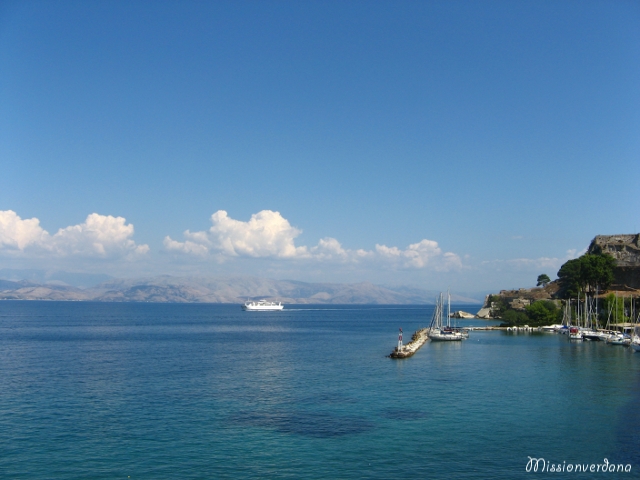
(53, 277)
(225, 290)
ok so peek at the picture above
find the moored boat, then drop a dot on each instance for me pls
(593, 335)
(551, 328)
(575, 333)
(619, 339)
(635, 338)
(438, 331)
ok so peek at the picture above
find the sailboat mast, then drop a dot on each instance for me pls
(586, 310)
(596, 311)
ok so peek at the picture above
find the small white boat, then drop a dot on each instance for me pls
(590, 334)
(551, 328)
(575, 333)
(619, 339)
(446, 335)
(635, 339)
(262, 306)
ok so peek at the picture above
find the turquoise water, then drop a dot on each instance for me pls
(95, 390)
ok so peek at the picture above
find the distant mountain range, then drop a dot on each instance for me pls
(169, 289)
(55, 277)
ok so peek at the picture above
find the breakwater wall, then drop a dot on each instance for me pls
(417, 340)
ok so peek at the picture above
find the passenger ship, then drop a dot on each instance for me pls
(262, 306)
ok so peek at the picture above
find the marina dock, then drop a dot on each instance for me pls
(420, 337)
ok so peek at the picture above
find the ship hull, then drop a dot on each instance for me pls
(262, 307)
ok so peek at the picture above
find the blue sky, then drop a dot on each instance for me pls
(470, 144)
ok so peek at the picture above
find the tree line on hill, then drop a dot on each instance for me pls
(587, 275)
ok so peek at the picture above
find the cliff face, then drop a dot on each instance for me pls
(626, 250)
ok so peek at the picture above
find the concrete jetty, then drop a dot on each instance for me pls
(418, 339)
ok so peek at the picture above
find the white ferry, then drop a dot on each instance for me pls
(262, 306)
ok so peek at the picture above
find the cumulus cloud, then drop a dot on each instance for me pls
(186, 247)
(266, 234)
(420, 255)
(329, 249)
(100, 236)
(17, 234)
(269, 235)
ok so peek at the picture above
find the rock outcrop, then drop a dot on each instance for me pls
(626, 250)
(517, 299)
(462, 314)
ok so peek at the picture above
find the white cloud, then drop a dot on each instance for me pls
(100, 236)
(185, 247)
(17, 234)
(425, 253)
(266, 234)
(269, 235)
(329, 249)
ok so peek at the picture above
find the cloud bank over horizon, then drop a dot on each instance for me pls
(269, 235)
(264, 245)
(100, 236)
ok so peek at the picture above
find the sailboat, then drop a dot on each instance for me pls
(574, 330)
(589, 332)
(635, 339)
(438, 331)
(618, 338)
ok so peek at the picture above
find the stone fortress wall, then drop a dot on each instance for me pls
(625, 249)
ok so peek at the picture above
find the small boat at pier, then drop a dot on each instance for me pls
(575, 334)
(635, 338)
(619, 339)
(438, 331)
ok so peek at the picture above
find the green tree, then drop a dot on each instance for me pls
(543, 280)
(511, 318)
(543, 312)
(587, 273)
(597, 271)
(570, 278)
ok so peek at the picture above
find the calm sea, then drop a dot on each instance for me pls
(153, 391)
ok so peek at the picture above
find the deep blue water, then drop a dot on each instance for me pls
(153, 391)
